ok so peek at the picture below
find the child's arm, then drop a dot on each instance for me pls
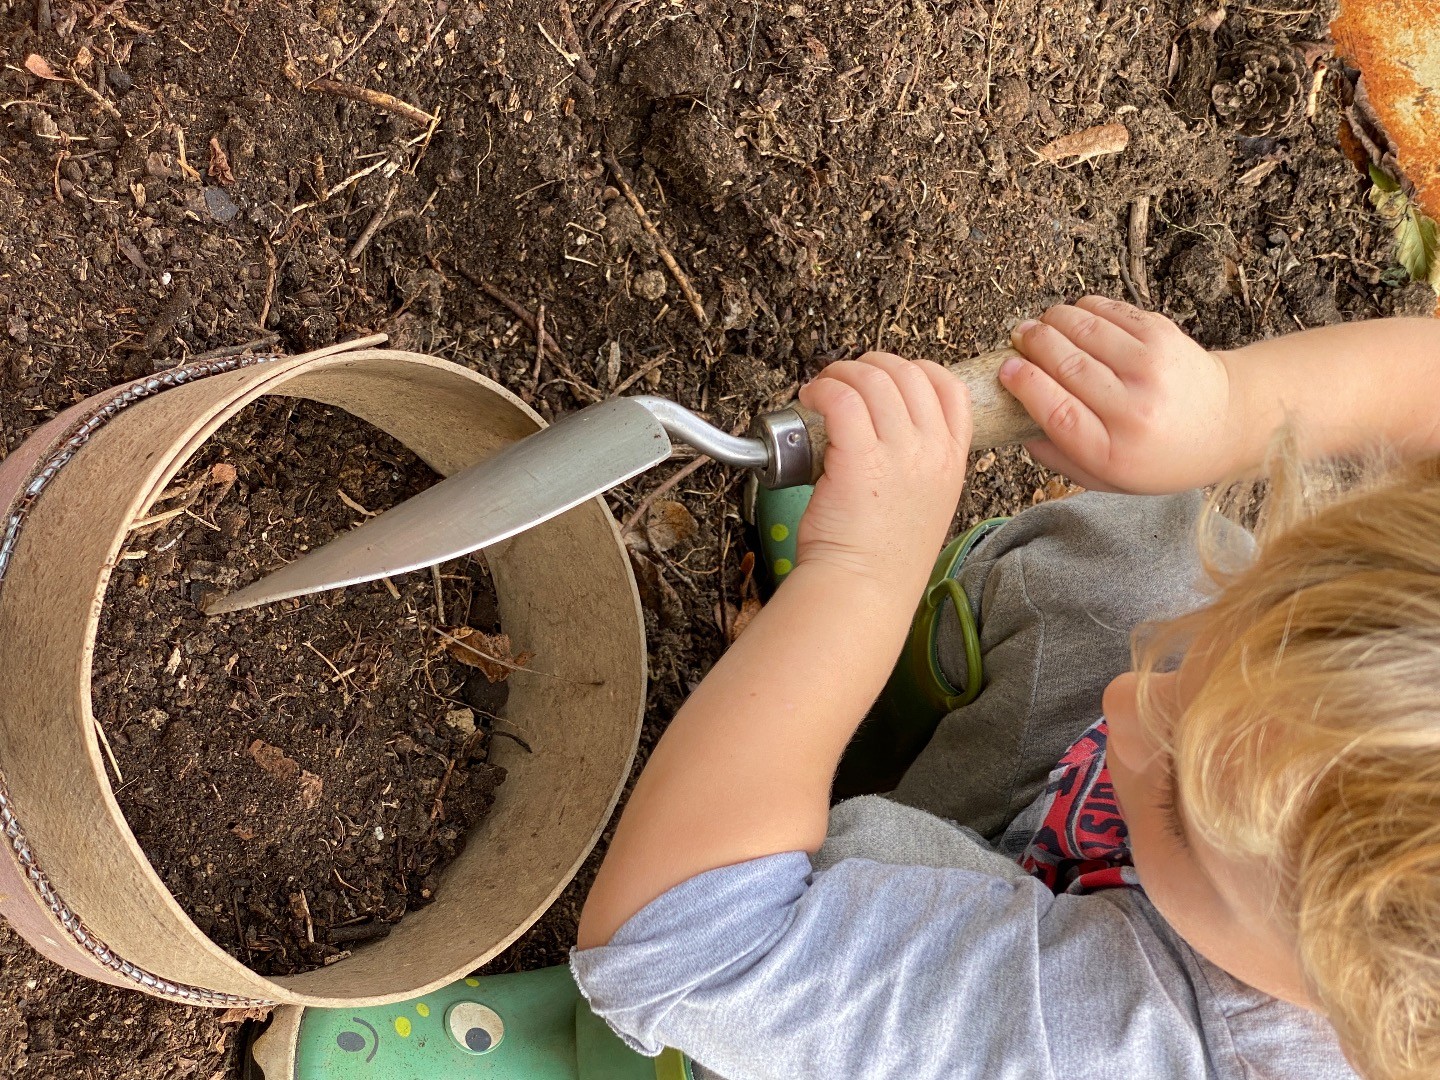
(744, 769)
(1128, 402)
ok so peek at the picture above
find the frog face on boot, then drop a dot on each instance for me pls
(527, 1026)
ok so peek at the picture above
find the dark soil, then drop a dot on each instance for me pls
(282, 766)
(831, 176)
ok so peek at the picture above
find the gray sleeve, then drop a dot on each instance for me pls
(869, 969)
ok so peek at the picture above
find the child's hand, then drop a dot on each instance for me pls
(899, 434)
(1127, 401)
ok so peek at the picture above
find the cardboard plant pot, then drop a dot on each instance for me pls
(73, 880)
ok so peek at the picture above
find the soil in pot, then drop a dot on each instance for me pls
(298, 774)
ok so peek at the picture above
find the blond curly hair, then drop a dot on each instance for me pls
(1314, 739)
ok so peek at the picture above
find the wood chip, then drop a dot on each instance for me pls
(311, 788)
(273, 760)
(219, 169)
(38, 66)
(1088, 144)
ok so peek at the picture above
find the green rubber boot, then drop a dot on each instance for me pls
(917, 694)
(533, 1025)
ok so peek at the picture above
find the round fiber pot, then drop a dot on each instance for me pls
(74, 882)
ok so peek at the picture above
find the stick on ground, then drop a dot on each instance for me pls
(1136, 240)
(691, 296)
(380, 100)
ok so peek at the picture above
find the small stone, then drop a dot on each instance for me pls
(119, 80)
(219, 205)
(650, 285)
(462, 720)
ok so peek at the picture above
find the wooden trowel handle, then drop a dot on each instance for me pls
(1000, 420)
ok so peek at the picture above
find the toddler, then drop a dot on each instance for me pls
(1175, 835)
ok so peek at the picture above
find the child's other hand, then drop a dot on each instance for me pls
(899, 434)
(1127, 401)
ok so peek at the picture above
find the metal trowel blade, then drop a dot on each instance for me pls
(530, 481)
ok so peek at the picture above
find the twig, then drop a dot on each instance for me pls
(636, 376)
(691, 296)
(1138, 234)
(274, 265)
(379, 99)
(103, 102)
(439, 804)
(649, 500)
(439, 594)
(1130, 286)
(390, 588)
(539, 342)
(503, 663)
(525, 317)
(109, 753)
(990, 52)
(379, 19)
(504, 301)
(608, 15)
(363, 241)
(309, 923)
(572, 42)
(236, 350)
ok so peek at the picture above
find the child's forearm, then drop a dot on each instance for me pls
(744, 769)
(1348, 387)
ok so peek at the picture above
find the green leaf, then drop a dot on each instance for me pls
(1417, 239)
(1383, 180)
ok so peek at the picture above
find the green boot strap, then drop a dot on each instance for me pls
(920, 661)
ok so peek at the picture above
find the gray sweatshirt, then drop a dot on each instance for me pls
(908, 948)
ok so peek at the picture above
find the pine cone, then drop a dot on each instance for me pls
(1261, 87)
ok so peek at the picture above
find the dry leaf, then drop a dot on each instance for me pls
(273, 760)
(748, 610)
(219, 163)
(1057, 487)
(222, 472)
(244, 833)
(239, 1016)
(84, 58)
(1084, 145)
(311, 788)
(491, 653)
(669, 523)
(38, 66)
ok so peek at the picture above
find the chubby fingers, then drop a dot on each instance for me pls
(1068, 422)
(877, 387)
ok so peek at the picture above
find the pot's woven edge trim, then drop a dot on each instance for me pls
(13, 833)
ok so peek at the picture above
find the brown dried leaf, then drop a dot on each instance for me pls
(222, 472)
(273, 760)
(219, 163)
(1084, 145)
(243, 832)
(669, 523)
(239, 1016)
(38, 66)
(311, 788)
(491, 653)
(748, 610)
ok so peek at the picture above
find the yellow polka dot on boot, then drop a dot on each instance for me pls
(779, 532)
(783, 567)
(402, 1026)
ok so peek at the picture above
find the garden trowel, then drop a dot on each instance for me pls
(581, 456)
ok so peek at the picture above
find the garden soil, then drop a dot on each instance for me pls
(299, 773)
(828, 177)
